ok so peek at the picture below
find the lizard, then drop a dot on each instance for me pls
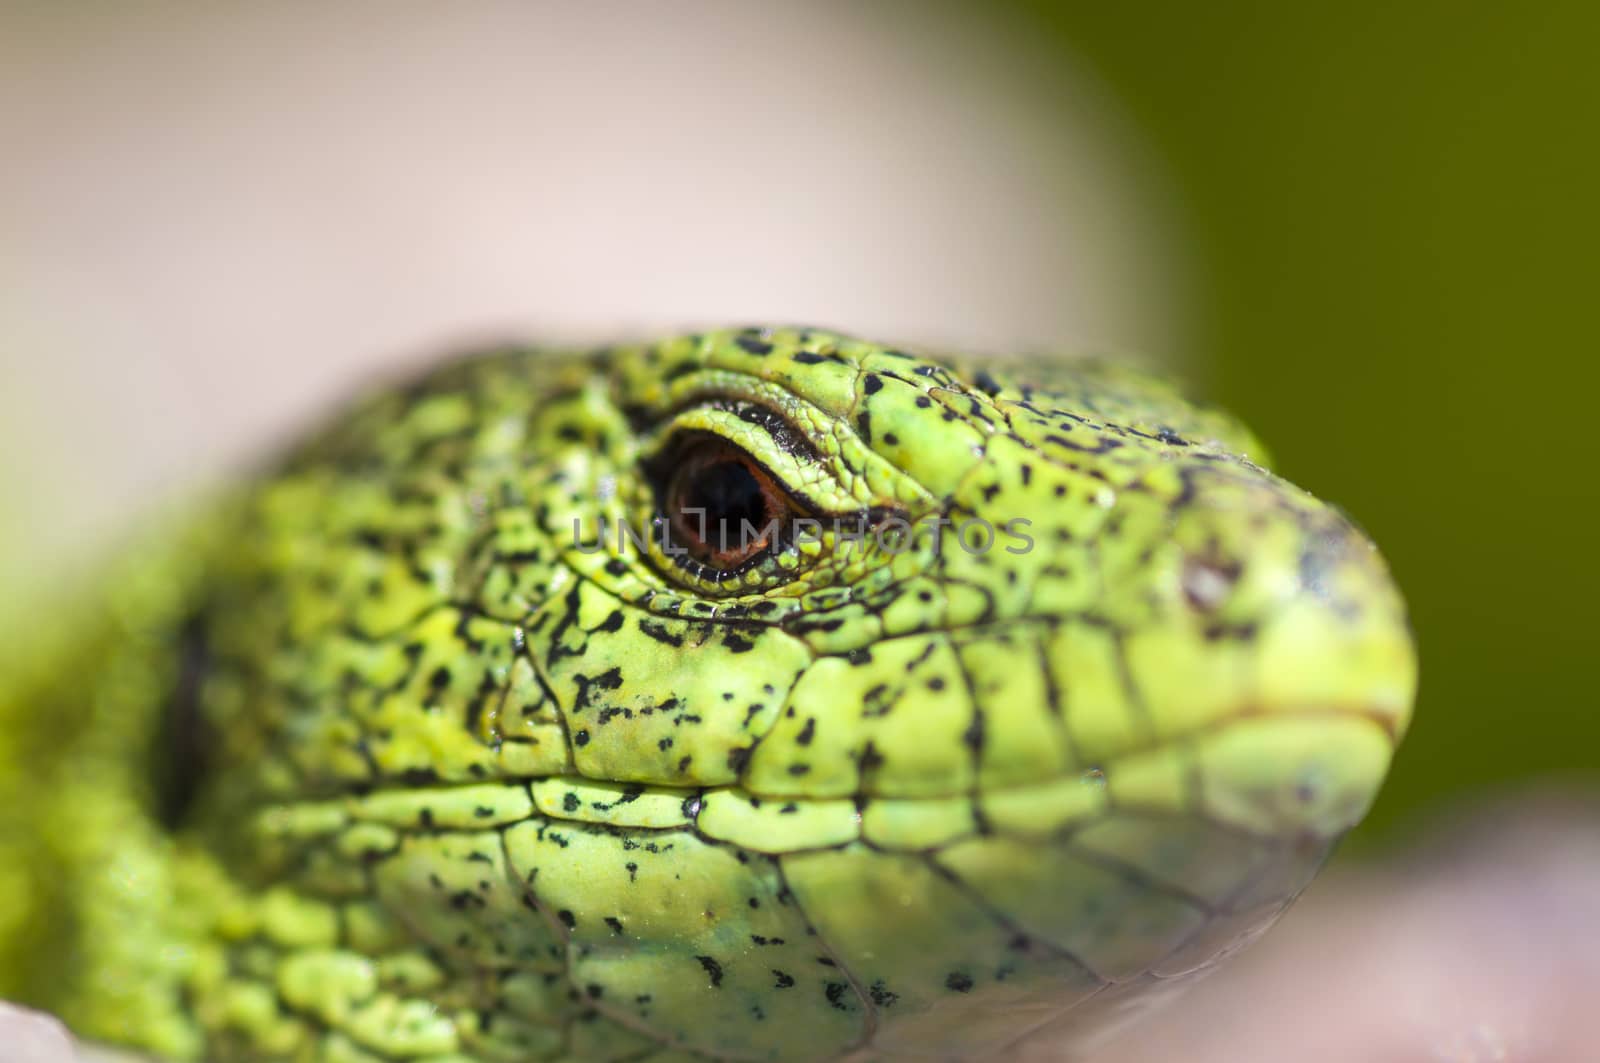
(753, 694)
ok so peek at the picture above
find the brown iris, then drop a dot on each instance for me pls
(722, 508)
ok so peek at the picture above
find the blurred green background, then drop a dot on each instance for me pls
(1396, 213)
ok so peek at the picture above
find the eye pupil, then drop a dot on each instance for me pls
(723, 509)
(730, 496)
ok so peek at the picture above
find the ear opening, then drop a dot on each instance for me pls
(181, 750)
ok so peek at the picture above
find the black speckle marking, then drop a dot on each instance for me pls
(784, 981)
(873, 384)
(759, 348)
(958, 982)
(713, 970)
(973, 736)
(567, 919)
(660, 633)
(611, 679)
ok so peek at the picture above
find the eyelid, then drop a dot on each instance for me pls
(724, 388)
(784, 435)
(870, 479)
(808, 480)
(781, 430)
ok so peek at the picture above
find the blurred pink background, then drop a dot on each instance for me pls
(218, 217)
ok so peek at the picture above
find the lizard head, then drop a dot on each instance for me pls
(782, 695)
(1045, 641)
(1057, 568)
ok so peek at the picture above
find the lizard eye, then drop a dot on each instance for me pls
(722, 509)
(739, 501)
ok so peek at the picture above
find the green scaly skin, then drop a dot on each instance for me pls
(385, 759)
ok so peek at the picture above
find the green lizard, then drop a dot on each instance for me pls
(753, 695)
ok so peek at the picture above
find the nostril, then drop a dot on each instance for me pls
(1207, 581)
(1323, 553)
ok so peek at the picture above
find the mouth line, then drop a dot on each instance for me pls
(1384, 721)
(623, 793)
